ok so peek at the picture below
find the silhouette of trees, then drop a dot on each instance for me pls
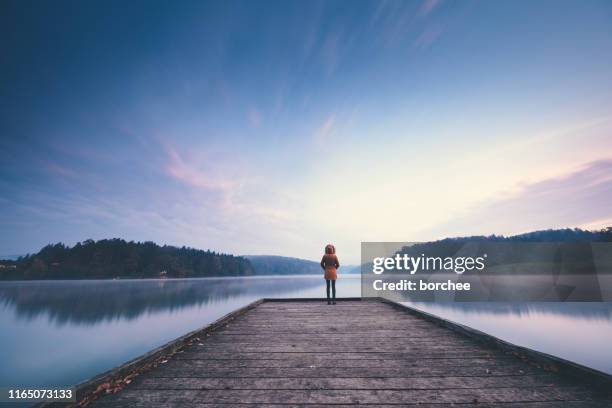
(116, 258)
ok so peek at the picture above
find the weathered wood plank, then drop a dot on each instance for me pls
(372, 337)
(304, 333)
(339, 340)
(309, 354)
(201, 353)
(546, 404)
(473, 395)
(335, 348)
(301, 362)
(395, 383)
(192, 368)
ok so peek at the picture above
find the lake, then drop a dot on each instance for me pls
(64, 332)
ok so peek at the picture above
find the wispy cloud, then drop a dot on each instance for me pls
(254, 118)
(240, 201)
(330, 52)
(61, 171)
(428, 36)
(579, 198)
(322, 135)
(190, 174)
(428, 6)
(384, 84)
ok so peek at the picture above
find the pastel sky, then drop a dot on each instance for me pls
(275, 127)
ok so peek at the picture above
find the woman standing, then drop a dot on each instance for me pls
(330, 265)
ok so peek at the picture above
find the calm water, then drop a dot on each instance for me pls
(63, 332)
(580, 332)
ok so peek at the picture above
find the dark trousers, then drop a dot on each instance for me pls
(333, 286)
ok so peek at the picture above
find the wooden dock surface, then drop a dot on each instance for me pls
(309, 354)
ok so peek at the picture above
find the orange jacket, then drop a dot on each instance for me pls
(330, 263)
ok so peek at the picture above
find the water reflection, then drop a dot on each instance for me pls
(582, 310)
(63, 332)
(90, 302)
(579, 332)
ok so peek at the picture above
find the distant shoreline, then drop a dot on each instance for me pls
(284, 276)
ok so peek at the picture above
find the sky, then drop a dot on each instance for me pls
(275, 127)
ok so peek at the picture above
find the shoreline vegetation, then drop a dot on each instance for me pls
(120, 259)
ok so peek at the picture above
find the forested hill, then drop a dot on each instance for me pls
(116, 258)
(567, 235)
(549, 235)
(281, 265)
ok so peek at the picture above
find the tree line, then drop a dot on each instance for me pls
(567, 250)
(117, 258)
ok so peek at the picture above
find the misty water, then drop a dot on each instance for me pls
(64, 332)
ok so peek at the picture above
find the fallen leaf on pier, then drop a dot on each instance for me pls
(102, 387)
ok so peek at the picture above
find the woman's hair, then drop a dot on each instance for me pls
(330, 249)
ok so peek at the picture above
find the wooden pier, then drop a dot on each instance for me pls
(304, 353)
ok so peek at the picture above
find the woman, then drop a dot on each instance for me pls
(330, 265)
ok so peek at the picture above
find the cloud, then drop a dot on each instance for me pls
(254, 118)
(429, 35)
(188, 173)
(330, 52)
(428, 6)
(236, 203)
(322, 134)
(61, 171)
(580, 198)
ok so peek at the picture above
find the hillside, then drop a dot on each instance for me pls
(117, 258)
(281, 265)
(547, 251)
